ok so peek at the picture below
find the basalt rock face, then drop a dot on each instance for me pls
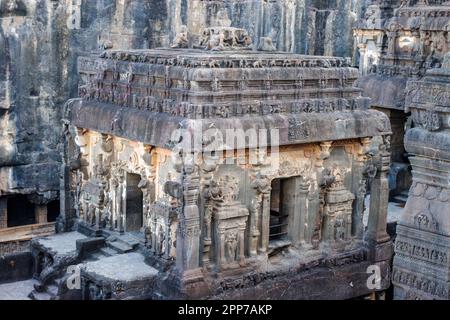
(39, 44)
(298, 26)
(40, 41)
(28, 103)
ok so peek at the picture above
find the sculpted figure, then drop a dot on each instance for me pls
(231, 246)
(181, 39)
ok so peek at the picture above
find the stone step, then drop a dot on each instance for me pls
(34, 295)
(97, 255)
(128, 240)
(405, 193)
(120, 247)
(108, 251)
(401, 198)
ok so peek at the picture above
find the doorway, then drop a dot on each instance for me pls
(53, 211)
(20, 211)
(134, 204)
(278, 214)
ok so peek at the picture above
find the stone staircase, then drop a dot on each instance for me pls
(112, 246)
(401, 198)
(122, 243)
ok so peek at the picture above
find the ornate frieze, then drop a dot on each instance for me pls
(420, 283)
(416, 250)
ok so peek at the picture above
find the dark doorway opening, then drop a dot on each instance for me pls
(134, 204)
(20, 211)
(53, 211)
(278, 215)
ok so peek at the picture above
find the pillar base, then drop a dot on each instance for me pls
(380, 251)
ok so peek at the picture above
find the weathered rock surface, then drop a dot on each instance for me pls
(41, 40)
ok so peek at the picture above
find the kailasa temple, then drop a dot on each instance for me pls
(224, 150)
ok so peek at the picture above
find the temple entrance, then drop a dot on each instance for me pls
(288, 212)
(279, 214)
(134, 204)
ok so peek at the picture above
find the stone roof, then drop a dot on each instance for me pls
(145, 94)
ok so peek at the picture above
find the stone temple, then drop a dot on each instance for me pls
(224, 150)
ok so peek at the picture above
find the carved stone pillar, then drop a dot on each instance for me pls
(421, 268)
(265, 222)
(69, 204)
(364, 168)
(207, 170)
(362, 62)
(3, 213)
(255, 233)
(260, 214)
(298, 189)
(303, 194)
(324, 153)
(392, 42)
(379, 200)
(40, 211)
(118, 190)
(188, 233)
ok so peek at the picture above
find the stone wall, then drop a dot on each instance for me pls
(40, 41)
(16, 267)
(14, 247)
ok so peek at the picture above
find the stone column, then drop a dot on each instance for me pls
(121, 207)
(206, 204)
(3, 213)
(392, 38)
(260, 219)
(362, 60)
(379, 201)
(303, 200)
(40, 212)
(222, 259)
(297, 211)
(265, 222)
(364, 169)
(188, 233)
(323, 154)
(241, 257)
(69, 203)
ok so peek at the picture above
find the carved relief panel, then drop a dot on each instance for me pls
(229, 221)
(338, 211)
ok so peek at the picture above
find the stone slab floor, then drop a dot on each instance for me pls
(16, 290)
(394, 212)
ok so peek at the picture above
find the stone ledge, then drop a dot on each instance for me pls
(24, 233)
(156, 128)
